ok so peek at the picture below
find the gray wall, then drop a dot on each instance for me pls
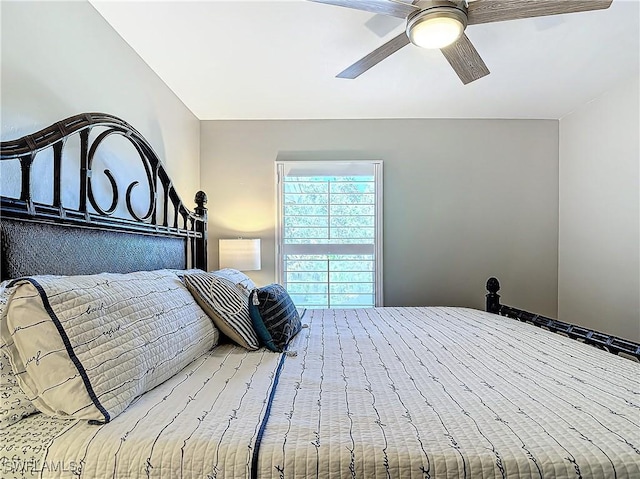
(599, 233)
(463, 199)
(62, 58)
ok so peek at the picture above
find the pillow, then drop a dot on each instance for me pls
(86, 346)
(181, 272)
(14, 404)
(226, 306)
(241, 280)
(274, 316)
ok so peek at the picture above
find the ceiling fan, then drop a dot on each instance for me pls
(441, 24)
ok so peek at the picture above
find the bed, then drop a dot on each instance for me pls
(415, 392)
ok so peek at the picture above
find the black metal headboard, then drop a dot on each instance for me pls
(42, 238)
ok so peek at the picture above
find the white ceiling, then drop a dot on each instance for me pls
(278, 59)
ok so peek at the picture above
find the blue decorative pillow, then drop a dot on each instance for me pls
(274, 316)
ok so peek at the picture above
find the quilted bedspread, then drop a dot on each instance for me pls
(384, 393)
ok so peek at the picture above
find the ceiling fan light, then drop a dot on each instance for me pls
(435, 30)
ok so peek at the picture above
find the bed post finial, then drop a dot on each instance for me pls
(201, 200)
(493, 298)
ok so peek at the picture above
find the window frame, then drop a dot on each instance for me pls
(377, 165)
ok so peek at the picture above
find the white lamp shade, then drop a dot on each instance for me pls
(240, 254)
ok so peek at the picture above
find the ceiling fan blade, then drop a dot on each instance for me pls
(465, 60)
(375, 57)
(382, 25)
(487, 11)
(386, 7)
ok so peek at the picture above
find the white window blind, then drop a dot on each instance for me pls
(330, 238)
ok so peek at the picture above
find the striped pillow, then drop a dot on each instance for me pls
(226, 305)
(274, 316)
(241, 280)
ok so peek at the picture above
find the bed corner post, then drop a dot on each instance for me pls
(200, 253)
(493, 298)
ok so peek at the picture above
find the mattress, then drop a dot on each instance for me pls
(384, 392)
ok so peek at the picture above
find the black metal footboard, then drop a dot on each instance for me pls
(613, 344)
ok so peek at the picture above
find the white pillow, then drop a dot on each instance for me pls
(86, 346)
(14, 404)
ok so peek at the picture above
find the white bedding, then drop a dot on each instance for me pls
(84, 347)
(389, 392)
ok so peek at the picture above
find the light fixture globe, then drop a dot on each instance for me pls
(436, 27)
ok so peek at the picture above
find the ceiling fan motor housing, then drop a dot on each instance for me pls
(430, 11)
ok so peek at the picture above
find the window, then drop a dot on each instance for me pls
(330, 233)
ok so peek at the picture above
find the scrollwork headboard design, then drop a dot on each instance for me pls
(39, 238)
